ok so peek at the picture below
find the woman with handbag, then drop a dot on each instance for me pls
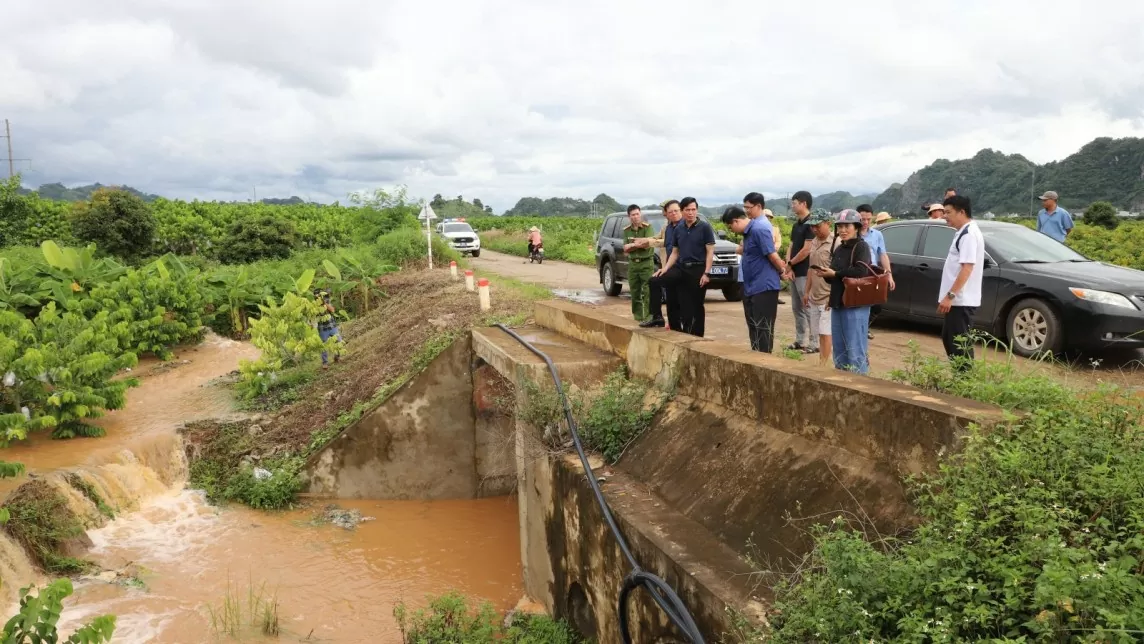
(850, 321)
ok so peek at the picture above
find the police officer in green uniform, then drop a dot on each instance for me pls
(640, 264)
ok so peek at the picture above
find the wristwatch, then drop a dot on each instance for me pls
(951, 295)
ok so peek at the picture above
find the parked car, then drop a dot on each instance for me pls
(461, 237)
(1038, 293)
(612, 262)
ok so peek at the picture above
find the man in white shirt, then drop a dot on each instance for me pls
(960, 293)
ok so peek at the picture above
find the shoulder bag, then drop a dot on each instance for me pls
(870, 290)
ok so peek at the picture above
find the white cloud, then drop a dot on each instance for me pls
(502, 99)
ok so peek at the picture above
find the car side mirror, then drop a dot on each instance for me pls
(989, 263)
(721, 234)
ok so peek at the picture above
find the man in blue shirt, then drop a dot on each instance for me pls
(1053, 221)
(761, 268)
(690, 260)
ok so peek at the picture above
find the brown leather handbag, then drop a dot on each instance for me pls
(871, 290)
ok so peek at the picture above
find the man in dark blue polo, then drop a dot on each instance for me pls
(690, 259)
(761, 268)
(662, 287)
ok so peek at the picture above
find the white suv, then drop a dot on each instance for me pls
(461, 237)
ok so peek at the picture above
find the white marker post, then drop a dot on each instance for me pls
(469, 281)
(483, 285)
(428, 215)
(453, 269)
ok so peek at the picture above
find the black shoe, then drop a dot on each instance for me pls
(869, 336)
(652, 323)
(797, 346)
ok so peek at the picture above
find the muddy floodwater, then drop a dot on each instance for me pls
(331, 584)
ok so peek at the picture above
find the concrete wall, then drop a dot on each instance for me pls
(494, 398)
(418, 444)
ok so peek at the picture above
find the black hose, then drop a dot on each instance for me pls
(664, 596)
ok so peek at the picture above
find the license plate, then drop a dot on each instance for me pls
(718, 270)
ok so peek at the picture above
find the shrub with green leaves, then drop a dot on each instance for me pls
(1034, 531)
(452, 619)
(117, 222)
(254, 238)
(409, 246)
(40, 613)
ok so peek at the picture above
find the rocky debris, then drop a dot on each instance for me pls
(443, 321)
(261, 474)
(347, 519)
(130, 576)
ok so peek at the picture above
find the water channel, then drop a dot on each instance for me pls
(332, 584)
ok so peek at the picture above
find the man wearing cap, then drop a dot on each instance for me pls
(936, 211)
(818, 289)
(663, 287)
(1053, 221)
(639, 261)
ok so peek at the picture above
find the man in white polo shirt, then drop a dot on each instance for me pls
(960, 293)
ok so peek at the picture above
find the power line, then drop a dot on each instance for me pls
(11, 161)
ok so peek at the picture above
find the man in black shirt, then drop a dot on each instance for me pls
(694, 249)
(798, 262)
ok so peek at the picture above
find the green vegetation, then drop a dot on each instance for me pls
(1101, 214)
(236, 616)
(78, 482)
(452, 619)
(565, 207)
(1103, 170)
(1032, 532)
(224, 468)
(118, 222)
(262, 237)
(608, 417)
(40, 521)
(36, 621)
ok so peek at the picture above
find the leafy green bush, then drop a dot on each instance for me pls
(408, 246)
(274, 492)
(38, 615)
(117, 222)
(617, 415)
(1101, 214)
(451, 619)
(1033, 532)
(223, 471)
(264, 237)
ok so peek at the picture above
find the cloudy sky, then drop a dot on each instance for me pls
(500, 99)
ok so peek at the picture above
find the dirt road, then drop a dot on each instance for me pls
(725, 322)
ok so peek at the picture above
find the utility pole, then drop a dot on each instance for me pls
(8, 135)
(1033, 192)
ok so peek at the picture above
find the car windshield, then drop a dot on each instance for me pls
(457, 228)
(1022, 245)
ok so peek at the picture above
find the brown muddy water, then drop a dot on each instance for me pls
(331, 584)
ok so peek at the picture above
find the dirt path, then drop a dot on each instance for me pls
(725, 322)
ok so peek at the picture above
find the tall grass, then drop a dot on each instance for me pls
(236, 616)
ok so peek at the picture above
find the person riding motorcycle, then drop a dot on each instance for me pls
(534, 240)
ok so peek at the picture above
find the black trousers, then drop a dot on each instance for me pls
(957, 324)
(665, 287)
(692, 314)
(761, 310)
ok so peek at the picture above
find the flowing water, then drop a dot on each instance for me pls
(331, 584)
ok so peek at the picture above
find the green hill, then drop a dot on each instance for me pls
(1103, 170)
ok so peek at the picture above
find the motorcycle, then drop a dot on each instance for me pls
(537, 254)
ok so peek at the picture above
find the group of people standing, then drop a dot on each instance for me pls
(824, 250)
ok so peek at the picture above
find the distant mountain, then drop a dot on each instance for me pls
(1103, 170)
(60, 192)
(565, 206)
(292, 201)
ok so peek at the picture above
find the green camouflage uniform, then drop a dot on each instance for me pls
(640, 268)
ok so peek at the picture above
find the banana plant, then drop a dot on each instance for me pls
(334, 282)
(72, 272)
(238, 295)
(17, 289)
(363, 274)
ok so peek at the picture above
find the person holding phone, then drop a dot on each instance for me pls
(817, 296)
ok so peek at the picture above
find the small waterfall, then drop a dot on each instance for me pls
(147, 467)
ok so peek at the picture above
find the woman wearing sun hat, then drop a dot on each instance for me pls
(849, 325)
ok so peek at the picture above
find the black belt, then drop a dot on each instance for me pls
(693, 264)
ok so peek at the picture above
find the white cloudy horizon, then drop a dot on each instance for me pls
(503, 99)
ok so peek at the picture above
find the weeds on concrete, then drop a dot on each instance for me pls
(609, 416)
(1032, 532)
(238, 614)
(93, 495)
(453, 618)
(219, 469)
(41, 522)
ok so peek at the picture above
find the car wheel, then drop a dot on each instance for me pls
(733, 293)
(608, 275)
(1033, 328)
(476, 253)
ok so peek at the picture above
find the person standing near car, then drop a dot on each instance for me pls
(935, 211)
(848, 325)
(663, 286)
(639, 261)
(761, 268)
(754, 205)
(693, 252)
(798, 264)
(1053, 221)
(818, 289)
(960, 293)
(878, 253)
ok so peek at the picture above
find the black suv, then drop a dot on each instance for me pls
(612, 262)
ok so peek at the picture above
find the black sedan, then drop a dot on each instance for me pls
(1036, 292)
